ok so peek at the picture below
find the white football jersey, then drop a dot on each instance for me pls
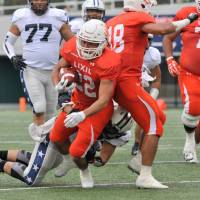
(152, 58)
(40, 36)
(76, 24)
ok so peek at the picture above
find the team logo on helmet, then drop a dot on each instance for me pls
(39, 7)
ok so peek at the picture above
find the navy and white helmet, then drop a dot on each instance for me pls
(39, 8)
(121, 119)
(93, 5)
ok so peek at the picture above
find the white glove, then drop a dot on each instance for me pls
(146, 78)
(61, 86)
(74, 119)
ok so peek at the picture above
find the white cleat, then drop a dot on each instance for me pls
(189, 151)
(66, 165)
(135, 163)
(190, 157)
(86, 179)
(149, 182)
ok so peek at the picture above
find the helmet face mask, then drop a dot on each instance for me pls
(121, 119)
(39, 7)
(139, 5)
(91, 39)
(93, 14)
(93, 9)
(198, 5)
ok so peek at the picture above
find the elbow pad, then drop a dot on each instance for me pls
(8, 44)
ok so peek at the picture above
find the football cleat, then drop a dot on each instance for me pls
(135, 163)
(64, 167)
(149, 182)
(189, 151)
(190, 157)
(86, 179)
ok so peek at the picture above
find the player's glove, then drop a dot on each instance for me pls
(192, 17)
(62, 87)
(18, 62)
(173, 66)
(74, 119)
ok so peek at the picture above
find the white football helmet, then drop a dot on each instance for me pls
(121, 119)
(139, 5)
(92, 5)
(198, 5)
(93, 32)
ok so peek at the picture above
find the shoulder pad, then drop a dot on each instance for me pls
(155, 55)
(59, 14)
(20, 14)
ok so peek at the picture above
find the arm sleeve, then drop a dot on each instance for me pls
(8, 44)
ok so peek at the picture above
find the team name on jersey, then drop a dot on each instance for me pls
(82, 68)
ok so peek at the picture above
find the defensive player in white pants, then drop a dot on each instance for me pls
(32, 167)
(151, 78)
(41, 30)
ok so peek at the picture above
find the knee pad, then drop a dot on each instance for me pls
(189, 129)
(189, 120)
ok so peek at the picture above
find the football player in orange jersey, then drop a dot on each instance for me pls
(128, 34)
(92, 96)
(188, 73)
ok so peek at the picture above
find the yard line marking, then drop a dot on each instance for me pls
(16, 142)
(96, 185)
(156, 162)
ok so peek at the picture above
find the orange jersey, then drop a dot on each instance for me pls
(127, 38)
(91, 72)
(190, 35)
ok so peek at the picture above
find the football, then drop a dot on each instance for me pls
(69, 74)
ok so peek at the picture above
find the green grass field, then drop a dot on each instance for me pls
(112, 182)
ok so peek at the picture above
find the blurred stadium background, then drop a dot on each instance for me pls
(10, 88)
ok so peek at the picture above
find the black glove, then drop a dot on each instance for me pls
(18, 62)
(192, 17)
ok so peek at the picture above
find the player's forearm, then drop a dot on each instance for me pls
(56, 70)
(105, 94)
(97, 106)
(55, 74)
(167, 46)
(8, 44)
